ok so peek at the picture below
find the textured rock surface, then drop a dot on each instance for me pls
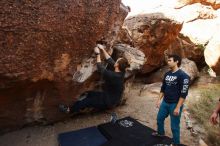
(42, 40)
(185, 48)
(194, 12)
(214, 3)
(135, 57)
(212, 53)
(152, 34)
(201, 21)
(187, 65)
(124, 37)
(42, 44)
(197, 31)
(195, 18)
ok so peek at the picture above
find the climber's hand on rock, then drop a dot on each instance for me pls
(97, 50)
(102, 47)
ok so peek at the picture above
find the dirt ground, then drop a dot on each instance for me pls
(139, 106)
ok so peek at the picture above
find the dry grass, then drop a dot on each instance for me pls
(202, 109)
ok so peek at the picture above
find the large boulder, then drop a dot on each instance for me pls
(185, 48)
(215, 4)
(124, 37)
(212, 53)
(42, 45)
(135, 57)
(187, 65)
(152, 34)
(195, 18)
(197, 30)
(201, 19)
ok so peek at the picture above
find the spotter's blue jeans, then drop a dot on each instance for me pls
(165, 110)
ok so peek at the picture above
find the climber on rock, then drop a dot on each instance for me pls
(113, 86)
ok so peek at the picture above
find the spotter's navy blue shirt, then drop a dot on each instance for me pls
(175, 85)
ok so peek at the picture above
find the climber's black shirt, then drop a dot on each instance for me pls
(113, 83)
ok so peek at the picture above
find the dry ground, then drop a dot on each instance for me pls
(139, 106)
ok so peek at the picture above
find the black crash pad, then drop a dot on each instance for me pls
(129, 132)
(84, 137)
(116, 142)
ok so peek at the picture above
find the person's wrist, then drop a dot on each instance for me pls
(215, 111)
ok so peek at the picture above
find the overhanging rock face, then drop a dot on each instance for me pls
(42, 44)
